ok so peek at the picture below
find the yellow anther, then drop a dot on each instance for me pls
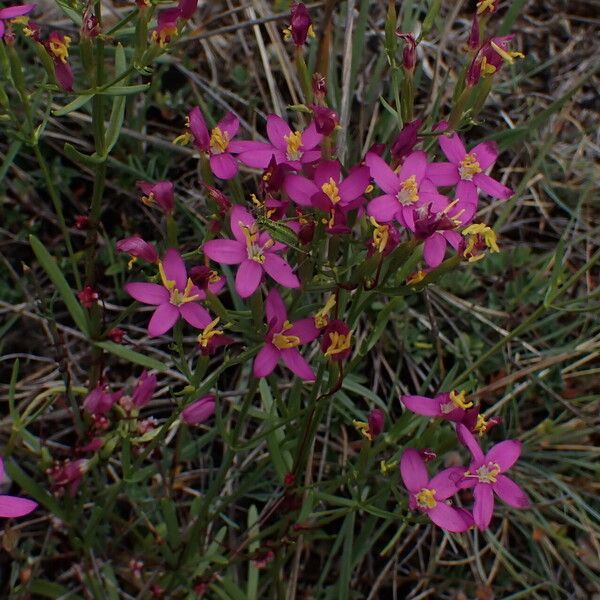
(458, 399)
(163, 37)
(209, 332)
(363, 429)
(131, 262)
(381, 234)
(481, 426)
(338, 343)
(486, 473)
(321, 318)
(426, 498)
(331, 190)
(484, 5)
(168, 283)
(283, 341)
(409, 193)
(507, 55)
(416, 277)
(486, 68)
(468, 167)
(311, 32)
(287, 34)
(60, 48)
(386, 467)
(294, 143)
(149, 199)
(369, 189)
(487, 233)
(184, 139)
(219, 140)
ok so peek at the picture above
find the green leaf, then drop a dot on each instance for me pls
(70, 12)
(124, 90)
(49, 589)
(60, 283)
(131, 355)
(89, 160)
(73, 105)
(118, 108)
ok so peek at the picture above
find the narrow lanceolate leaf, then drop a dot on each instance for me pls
(60, 283)
(118, 108)
(131, 355)
(73, 105)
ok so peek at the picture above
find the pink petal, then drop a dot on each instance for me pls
(309, 156)
(443, 173)
(428, 194)
(239, 214)
(454, 238)
(445, 483)
(311, 137)
(229, 124)
(13, 506)
(448, 518)
(297, 364)
(413, 470)
(280, 271)
(163, 319)
(197, 316)
(227, 252)
(510, 492)
(248, 277)
(355, 184)
(265, 360)
(328, 169)
(483, 507)
(434, 249)
(486, 154)
(1, 470)
(421, 405)
(466, 193)
(452, 147)
(175, 268)
(148, 293)
(406, 216)
(199, 129)
(258, 159)
(277, 129)
(2, 28)
(64, 75)
(414, 164)
(224, 166)
(275, 308)
(299, 189)
(505, 454)
(305, 329)
(466, 438)
(383, 175)
(16, 11)
(383, 208)
(492, 187)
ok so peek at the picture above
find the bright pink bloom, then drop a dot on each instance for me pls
(12, 12)
(176, 297)
(217, 144)
(207, 279)
(199, 411)
(430, 495)
(490, 57)
(466, 170)
(403, 192)
(144, 390)
(100, 400)
(336, 340)
(486, 475)
(136, 247)
(293, 148)
(283, 339)
(451, 406)
(160, 193)
(254, 251)
(57, 46)
(13, 506)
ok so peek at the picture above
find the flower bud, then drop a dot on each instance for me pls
(326, 119)
(319, 86)
(160, 193)
(136, 247)
(406, 140)
(82, 222)
(199, 411)
(88, 296)
(144, 390)
(100, 400)
(409, 54)
(300, 24)
(115, 335)
(376, 421)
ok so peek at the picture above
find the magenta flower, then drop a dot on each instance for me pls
(430, 495)
(199, 411)
(57, 46)
(217, 144)
(283, 339)
(175, 297)
(293, 148)
(486, 475)
(144, 390)
(451, 406)
(100, 400)
(13, 506)
(490, 57)
(465, 170)
(136, 247)
(254, 251)
(336, 340)
(403, 192)
(11, 12)
(160, 193)
(166, 26)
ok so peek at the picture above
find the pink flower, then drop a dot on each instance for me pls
(57, 46)
(217, 144)
(283, 339)
(136, 247)
(465, 170)
(100, 400)
(13, 506)
(69, 474)
(336, 341)
(403, 192)
(207, 279)
(430, 495)
(492, 54)
(176, 297)
(12, 12)
(450, 406)
(144, 390)
(254, 251)
(199, 411)
(166, 26)
(160, 193)
(293, 148)
(486, 475)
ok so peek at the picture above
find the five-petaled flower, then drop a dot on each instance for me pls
(450, 406)
(12, 12)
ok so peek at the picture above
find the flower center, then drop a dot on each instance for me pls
(209, 332)
(381, 235)
(60, 48)
(254, 251)
(338, 343)
(177, 297)
(331, 190)
(282, 341)
(322, 317)
(409, 191)
(468, 167)
(219, 140)
(426, 498)
(486, 473)
(294, 142)
(457, 400)
(479, 237)
(163, 37)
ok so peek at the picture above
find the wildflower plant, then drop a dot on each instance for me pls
(260, 368)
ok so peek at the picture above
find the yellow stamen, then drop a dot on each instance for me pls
(507, 55)
(331, 190)
(294, 142)
(486, 473)
(484, 5)
(251, 234)
(219, 140)
(369, 189)
(487, 233)
(60, 48)
(426, 498)
(131, 262)
(321, 318)
(209, 332)
(381, 235)
(287, 34)
(487, 69)
(386, 467)
(149, 199)
(363, 429)
(481, 426)
(468, 167)
(311, 32)
(177, 297)
(338, 343)
(409, 194)
(416, 277)
(163, 37)
(458, 400)
(282, 341)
